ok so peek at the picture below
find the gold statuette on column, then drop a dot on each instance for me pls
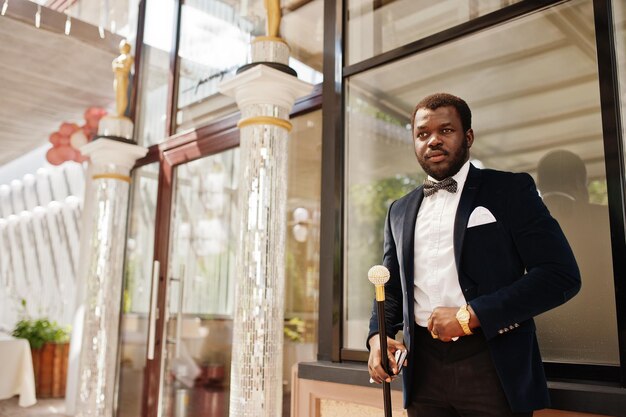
(273, 18)
(115, 125)
(270, 48)
(121, 68)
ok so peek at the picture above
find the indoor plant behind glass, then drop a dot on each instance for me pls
(49, 344)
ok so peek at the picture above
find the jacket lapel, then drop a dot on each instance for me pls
(464, 210)
(408, 234)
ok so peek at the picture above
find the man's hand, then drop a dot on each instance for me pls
(444, 325)
(374, 364)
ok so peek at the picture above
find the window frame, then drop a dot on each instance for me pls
(334, 156)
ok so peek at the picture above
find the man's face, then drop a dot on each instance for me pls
(441, 145)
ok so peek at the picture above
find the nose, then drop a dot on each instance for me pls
(434, 141)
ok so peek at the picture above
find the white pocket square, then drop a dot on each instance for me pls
(481, 215)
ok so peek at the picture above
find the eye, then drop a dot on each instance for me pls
(447, 130)
(421, 135)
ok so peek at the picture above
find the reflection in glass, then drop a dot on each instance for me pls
(116, 16)
(152, 96)
(381, 168)
(214, 43)
(302, 243)
(375, 27)
(585, 326)
(200, 293)
(204, 232)
(135, 304)
(518, 118)
(203, 241)
(619, 24)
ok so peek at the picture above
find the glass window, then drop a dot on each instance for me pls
(302, 243)
(376, 26)
(137, 286)
(547, 125)
(116, 16)
(203, 244)
(204, 232)
(619, 17)
(155, 68)
(214, 42)
(201, 285)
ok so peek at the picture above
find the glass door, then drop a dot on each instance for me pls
(196, 355)
(176, 332)
(137, 289)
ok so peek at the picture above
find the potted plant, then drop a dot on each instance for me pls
(49, 345)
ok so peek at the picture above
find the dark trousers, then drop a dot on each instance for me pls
(456, 379)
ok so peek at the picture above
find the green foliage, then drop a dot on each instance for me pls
(294, 329)
(371, 200)
(368, 204)
(598, 193)
(40, 331)
(364, 107)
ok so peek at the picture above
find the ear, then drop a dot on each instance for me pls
(469, 136)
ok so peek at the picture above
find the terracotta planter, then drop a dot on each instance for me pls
(50, 367)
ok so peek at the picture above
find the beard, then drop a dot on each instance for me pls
(448, 168)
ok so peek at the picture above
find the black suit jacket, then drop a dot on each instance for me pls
(509, 271)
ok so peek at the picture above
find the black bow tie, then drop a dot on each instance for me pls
(431, 187)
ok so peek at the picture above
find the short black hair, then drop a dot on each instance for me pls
(562, 170)
(434, 101)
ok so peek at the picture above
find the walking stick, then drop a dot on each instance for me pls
(379, 275)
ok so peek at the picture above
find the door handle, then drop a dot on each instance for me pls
(154, 313)
(179, 314)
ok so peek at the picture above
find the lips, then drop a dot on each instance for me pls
(436, 156)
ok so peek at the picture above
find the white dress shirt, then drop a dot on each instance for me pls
(436, 279)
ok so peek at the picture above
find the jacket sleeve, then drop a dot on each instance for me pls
(393, 287)
(552, 276)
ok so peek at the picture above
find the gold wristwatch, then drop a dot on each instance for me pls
(463, 317)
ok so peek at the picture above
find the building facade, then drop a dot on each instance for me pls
(545, 80)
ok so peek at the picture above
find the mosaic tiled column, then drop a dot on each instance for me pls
(265, 96)
(102, 261)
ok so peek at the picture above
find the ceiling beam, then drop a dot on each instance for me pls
(60, 5)
(54, 21)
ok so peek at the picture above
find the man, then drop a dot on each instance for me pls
(474, 255)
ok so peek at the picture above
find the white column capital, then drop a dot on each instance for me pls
(106, 152)
(265, 85)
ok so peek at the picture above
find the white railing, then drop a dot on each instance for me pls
(39, 244)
